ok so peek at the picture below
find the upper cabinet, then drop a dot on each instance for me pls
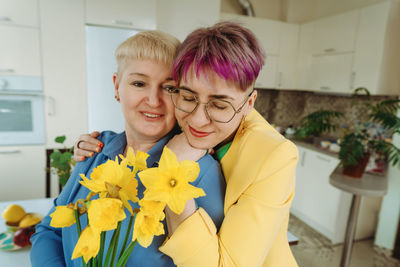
(180, 18)
(335, 34)
(19, 12)
(134, 14)
(279, 40)
(355, 49)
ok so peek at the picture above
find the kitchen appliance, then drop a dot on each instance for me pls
(21, 110)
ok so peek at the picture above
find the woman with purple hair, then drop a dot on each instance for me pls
(216, 68)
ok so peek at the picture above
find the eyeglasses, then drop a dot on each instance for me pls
(217, 110)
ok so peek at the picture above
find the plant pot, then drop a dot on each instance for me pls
(356, 171)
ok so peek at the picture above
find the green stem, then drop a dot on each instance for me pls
(125, 256)
(115, 244)
(128, 230)
(110, 248)
(78, 229)
(101, 251)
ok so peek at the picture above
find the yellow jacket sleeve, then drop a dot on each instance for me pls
(255, 224)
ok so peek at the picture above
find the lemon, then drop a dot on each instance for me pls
(13, 213)
(29, 220)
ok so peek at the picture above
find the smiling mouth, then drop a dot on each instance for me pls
(151, 115)
(198, 133)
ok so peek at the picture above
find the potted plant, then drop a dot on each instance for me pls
(61, 162)
(358, 144)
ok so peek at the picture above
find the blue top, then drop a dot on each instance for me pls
(54, 246)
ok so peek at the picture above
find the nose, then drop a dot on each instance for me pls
(200, 116)
(154, 98)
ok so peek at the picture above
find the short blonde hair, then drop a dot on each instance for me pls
(152, 45)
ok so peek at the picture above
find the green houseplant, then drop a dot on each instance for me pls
(61, 162)
(358, 144)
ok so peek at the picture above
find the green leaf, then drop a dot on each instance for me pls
(60, 139)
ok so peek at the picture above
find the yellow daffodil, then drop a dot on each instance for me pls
(113, 179)
(138, 161)
(105, 213)
(169, 182)
(148, 222)
(88, 244)
(63, 216)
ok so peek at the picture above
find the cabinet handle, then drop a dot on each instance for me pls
(352, 79)
(10, 151)
(4, 18)
(122, 22)
(325, 88)
(329, 50)
(7, 70)
(322, 158)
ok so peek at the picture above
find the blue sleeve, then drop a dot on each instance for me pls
(47, 246)
(212, 181)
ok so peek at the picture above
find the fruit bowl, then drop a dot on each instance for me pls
(15, 227)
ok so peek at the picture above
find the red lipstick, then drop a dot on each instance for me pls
(198, 133)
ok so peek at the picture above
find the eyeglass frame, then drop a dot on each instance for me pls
(171, 92)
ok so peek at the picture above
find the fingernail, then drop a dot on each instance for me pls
(82, 158)
(100, 145)
(91, 154)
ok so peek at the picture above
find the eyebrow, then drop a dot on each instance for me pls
(144, 75)
(211, 96)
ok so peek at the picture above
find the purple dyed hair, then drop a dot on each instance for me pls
(227, 49)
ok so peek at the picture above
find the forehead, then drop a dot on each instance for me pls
(208, 82)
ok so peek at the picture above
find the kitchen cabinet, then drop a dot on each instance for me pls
(266, 30)
(324, 207)
(332, 73)
(19, 12)
(16, 57)
(376, 61)
(180, 18)
(133, 14)
(288, 44)
(279, 41)
(64, 69)
(22, 172)
(335, 34)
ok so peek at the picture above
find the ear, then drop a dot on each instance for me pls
(116, 85)
(250, 102)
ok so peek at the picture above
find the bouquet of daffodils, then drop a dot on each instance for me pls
(115, 184)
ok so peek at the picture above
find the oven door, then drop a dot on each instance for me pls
(21, 119)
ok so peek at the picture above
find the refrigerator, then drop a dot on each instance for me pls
(104, 112)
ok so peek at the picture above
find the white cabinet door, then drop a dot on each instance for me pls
(22, 172)
(19, 51)
(304, 56)
(288, 40)
(268, 76)
(267, 31)
(335, 34)
(331, 73)
(19, 12)
(370, 46)
(134, 14)
(180, 18)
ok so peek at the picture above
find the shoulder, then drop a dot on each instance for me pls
(107, 136)
(209, 168)
(257, 135)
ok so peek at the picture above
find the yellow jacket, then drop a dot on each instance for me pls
(259, 169)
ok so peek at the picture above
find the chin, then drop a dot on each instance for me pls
(201, 144)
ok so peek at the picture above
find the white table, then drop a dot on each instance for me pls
(368, 185)
(20, 258)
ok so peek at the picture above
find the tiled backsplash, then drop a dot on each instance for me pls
(284, 108)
